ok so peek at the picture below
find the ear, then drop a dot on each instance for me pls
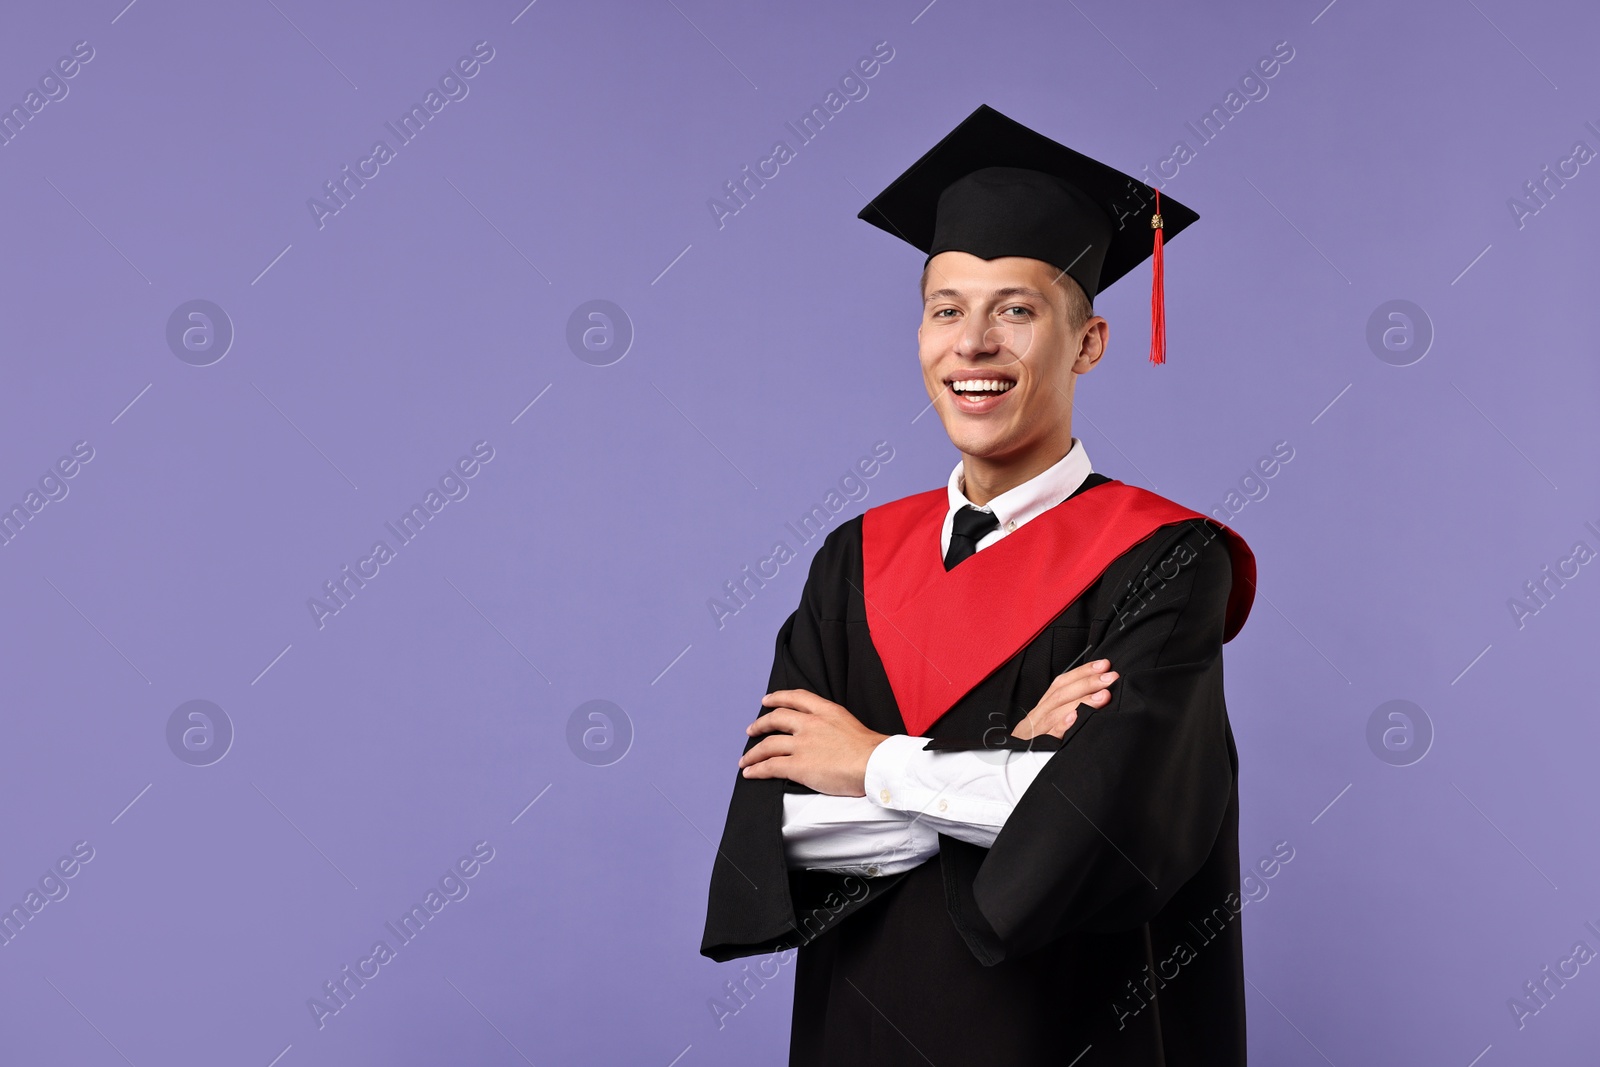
(1092, 345)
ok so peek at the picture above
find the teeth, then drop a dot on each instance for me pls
(982, 385)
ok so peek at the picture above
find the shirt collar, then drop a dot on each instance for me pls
(1033, 497)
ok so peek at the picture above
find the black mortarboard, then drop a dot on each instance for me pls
(993, 187)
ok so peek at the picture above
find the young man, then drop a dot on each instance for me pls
(992, 797)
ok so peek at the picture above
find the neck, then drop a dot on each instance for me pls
(983, 478)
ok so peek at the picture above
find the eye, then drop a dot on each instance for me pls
(941, 311)
(1026, 312)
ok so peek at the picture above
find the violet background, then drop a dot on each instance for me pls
(768, 356)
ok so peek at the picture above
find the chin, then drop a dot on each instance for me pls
(973, 442)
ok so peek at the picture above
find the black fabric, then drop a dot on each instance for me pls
(1062, 938)
(993, 187)
(1017, 211)
(968, 526)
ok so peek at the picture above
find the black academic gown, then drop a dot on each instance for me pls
(1111, 932)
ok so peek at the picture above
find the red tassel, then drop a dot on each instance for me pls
(1158, 298)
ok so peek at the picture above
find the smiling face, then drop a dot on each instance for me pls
(1000, 357)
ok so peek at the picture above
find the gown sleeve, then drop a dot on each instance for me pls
(756, 904)
(1128, 808)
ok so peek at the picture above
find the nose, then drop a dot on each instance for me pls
(979, 337)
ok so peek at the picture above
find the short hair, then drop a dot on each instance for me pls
(1079, 309)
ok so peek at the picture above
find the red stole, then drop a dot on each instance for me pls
(939, 633)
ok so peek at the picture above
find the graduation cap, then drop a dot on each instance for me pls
(993, 187)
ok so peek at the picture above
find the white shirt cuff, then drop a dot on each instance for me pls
(967, 795)
(851, 835)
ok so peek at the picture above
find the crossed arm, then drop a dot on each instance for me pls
(913, 796)
(882, 800)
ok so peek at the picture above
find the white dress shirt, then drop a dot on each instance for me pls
(914, 795)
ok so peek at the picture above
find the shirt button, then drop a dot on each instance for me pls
(883, 795)
(872, 872)
(1012, 525)
(944, 805)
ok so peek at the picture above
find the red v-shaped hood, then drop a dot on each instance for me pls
(939, 633)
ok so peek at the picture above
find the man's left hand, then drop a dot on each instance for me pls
(811, 741)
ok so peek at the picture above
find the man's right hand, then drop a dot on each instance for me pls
(1057, 710)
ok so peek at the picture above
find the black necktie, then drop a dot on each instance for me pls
(966, 530)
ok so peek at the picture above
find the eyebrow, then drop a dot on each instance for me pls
(1001, 294)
